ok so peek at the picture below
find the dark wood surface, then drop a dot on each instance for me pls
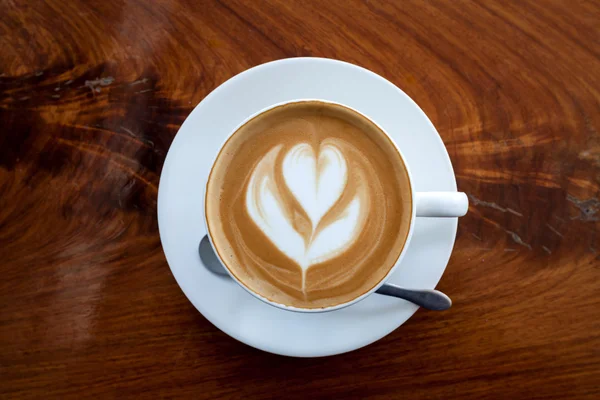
(92, 94)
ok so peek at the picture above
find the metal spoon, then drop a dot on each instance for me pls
(429, 299)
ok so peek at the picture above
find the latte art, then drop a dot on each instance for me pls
(308, 205)
(316, 182)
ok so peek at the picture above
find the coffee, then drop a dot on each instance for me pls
(309, 204)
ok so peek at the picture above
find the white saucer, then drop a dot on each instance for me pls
(186, 168)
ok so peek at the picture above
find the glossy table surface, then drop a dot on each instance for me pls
(92, 94)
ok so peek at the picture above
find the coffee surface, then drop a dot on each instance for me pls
(309, 204)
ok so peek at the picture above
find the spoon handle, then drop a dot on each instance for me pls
(430, 299)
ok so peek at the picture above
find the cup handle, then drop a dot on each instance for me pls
(441, 204)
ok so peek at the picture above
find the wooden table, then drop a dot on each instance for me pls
(92, 94)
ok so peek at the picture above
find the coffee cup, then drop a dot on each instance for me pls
(310, 205)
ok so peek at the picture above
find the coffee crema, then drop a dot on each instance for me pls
(309, 204)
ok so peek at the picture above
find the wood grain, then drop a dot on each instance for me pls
(92, 94)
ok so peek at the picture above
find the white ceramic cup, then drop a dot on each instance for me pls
(424, 204)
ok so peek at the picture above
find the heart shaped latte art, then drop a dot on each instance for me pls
(317, 183)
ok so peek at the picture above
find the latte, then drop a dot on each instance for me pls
(309, 204)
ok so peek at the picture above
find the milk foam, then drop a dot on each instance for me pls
(315, 189)
(308, 205)
(317, 182)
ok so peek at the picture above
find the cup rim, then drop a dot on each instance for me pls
(391, 270)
